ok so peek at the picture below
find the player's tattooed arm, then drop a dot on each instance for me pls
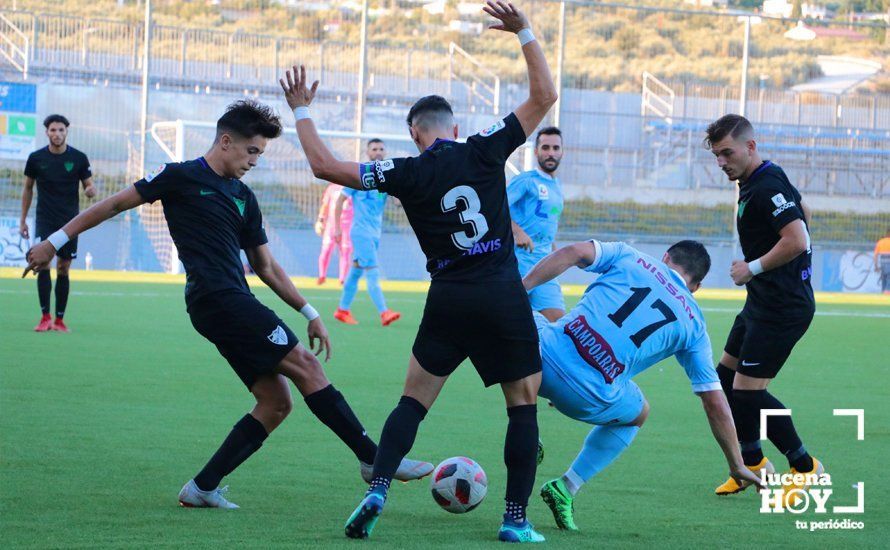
(581, 255)
(270, 272)
(27, 197)
(88, 188)
(541, 90)
(521, 238)
(42, 253)
(720, 418)
(323, 163)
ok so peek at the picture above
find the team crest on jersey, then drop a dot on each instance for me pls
(156, 173)
(779, 199)
(493, 128)
(69, 166)
(543, 192)
(278, 336)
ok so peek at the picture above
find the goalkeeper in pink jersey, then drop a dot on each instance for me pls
(332, 236)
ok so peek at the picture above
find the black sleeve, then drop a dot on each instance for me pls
(391, 176)
(496, 143)
(85, 169)
(159, 184)
(31, 167)
(253, 233)
(778, 204)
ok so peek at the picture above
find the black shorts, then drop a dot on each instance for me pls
(67, 252)
(490, 323)
(251, 337)
(762, 347)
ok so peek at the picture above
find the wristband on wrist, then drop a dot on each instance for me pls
(58, 239)
(309, 312)
(756, 267)
(525, 36)
(301, 112)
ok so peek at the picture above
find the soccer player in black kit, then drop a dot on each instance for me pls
(58, 170)
(773, 224)
(212, 215)
(454, 195)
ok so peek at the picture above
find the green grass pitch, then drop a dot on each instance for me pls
(100, 428)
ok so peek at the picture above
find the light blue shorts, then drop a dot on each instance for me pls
(587, 407)
(546, 296)
(364, 250)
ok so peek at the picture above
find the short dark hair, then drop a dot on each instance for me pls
(692, 257)
(249, 118)
(727, 125)
(372, 141)
(429, 109)
(55, 118)
(548, 131)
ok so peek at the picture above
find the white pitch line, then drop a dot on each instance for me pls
(840, 313)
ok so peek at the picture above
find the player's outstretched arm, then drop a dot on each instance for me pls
(556, 263)
(323, 163)
(42, 253)
(271, 273)
(720, 418)
(541, 91)
(793, 241)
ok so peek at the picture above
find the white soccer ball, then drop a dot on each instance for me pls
(458, 484)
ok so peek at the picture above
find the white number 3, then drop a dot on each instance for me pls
(470, 215)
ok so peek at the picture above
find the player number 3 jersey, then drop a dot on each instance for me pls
(454, 195)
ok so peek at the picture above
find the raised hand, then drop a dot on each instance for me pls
(296, 92)
(511, 19)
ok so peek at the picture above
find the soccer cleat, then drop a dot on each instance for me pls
(321, 281)
(408, 470)
(59, 325)
(731, 486)
(364, 518)
(561, 502)
(389, 317)
(45, 324)
(345, 316)
(192, 497)
(793, 490)
(511, 531)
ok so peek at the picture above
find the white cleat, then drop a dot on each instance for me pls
(192, 497)
(409, 470)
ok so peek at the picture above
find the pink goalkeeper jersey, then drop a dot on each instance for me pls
(328, 207)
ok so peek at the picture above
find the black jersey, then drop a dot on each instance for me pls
(58, 178)
(211, 218)
(455, 197)
(767, 203)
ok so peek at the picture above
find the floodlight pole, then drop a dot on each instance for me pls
(743, 97)
(560, 62)
(146, 59)
(362, 69)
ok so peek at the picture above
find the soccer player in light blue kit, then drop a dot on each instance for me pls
(639, 311)
(367, 207)
(536, 202)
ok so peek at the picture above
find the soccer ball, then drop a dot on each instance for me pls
(458, 484)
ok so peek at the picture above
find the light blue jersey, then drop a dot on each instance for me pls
(635, 314)
(367, 207)
(536, 203)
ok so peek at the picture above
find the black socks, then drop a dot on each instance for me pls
(780, 429)
(44, 287)
(62, 286)
(332, 409)
(520, 453)
(397, 438)
(245, 438)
